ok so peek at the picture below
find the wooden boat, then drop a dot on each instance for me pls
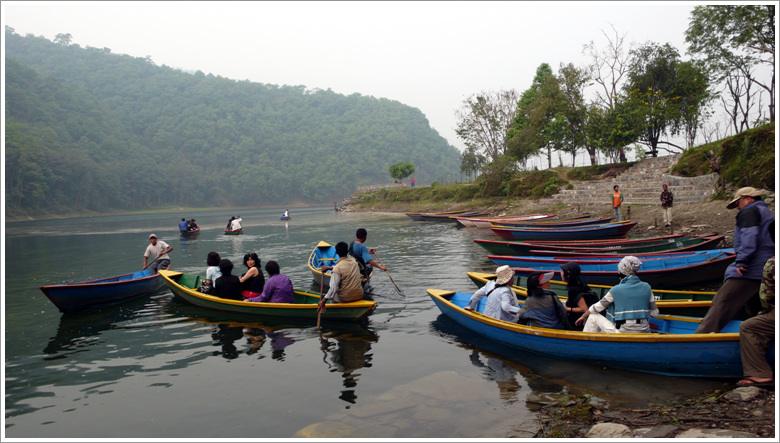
(450, 218)
(437, 215)
(236, 232)
(656, 260)
(551, 223)
(190, 233)
(303, 307)
(72, 297)
(667, 277)
(617, 229)
(486, 222)
(669, 302)
(513, 247)
(325, 254)
(690, 244)
(672, 349)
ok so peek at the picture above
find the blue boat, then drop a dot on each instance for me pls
(587, 232)
(325, 254)
(658, 260)
(672, 277)
(72, 297)
(287, 217)
(671, 349)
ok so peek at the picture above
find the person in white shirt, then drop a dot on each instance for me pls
(159, 250)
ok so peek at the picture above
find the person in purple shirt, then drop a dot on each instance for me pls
(278, 288)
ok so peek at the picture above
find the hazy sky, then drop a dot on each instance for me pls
(429, 55)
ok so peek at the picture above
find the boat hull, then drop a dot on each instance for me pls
(674, 351)
(73, 297)
(305, 305)
(236, 232)
(586, 232)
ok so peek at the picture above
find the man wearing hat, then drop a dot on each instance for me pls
(502, 301)
(159, 250)
(753, 245)
(629, 304)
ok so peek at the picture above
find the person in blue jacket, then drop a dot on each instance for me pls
(753, 245)
(183, 226)
(628, 305)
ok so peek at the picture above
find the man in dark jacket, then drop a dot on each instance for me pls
(754, 245)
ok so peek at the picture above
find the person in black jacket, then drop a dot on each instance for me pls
(227, 286)
(580, 296)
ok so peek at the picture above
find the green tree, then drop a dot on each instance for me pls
(401, 170)
(733, 39)
(524, 137)
(471, 162)
(654, 89)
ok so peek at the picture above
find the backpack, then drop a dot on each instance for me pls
(364, 271)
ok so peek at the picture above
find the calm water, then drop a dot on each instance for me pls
(157, 367)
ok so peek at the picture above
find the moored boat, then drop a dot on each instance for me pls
(552, 223)
(72, 297)
(655, 260)
(486, 222)
(304, 305)
(617, 229)
(672, 349)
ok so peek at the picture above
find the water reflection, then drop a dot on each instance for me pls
(501, 372)
(257, 337)
(347, 354)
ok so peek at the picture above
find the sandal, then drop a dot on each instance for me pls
(758, 384)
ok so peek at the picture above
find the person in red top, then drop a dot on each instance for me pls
(617, 200)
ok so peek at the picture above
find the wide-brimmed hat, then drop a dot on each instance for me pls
(504, 274)
(744, 192)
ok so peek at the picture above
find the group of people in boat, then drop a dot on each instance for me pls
(187, 226)
(234, 224)
(251, 285)
(627, 307)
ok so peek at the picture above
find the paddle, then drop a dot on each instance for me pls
(400, 292)
(319, 311)
(150, 264)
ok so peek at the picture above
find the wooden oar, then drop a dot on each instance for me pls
(322, 286)
(400, 292)
(150, 264)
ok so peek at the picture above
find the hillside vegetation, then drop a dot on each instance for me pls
(746, 159)
(89, 130)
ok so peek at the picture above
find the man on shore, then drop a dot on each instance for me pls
(753, 245)
(617, 200)
(666, 205)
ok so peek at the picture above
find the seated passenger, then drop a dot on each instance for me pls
(235, 223)
(227, 285)
(580, 296)
(212, 272)
(253, 281)
(542, 308)
(502, 301)
(192, 225)
(278, 288)
(345, 285)
(629, 304)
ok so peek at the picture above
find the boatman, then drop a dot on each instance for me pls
(183, 226)
(159, 250)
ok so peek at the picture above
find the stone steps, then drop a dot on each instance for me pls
(640, 185)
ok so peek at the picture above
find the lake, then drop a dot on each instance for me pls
(157, 367)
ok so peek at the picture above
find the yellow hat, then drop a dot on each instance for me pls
(744, 192)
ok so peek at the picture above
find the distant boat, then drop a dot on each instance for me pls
(190, 233)
(285, 217)
(673, 348)
(236, 232)
(487, 222)
(71, 297)
(304, 305)
(433, 215)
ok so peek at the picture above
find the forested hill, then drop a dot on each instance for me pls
(87, 129)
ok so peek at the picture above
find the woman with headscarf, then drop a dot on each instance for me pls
(502, 301)
(629, 304)
(542, 308)
(580, 296)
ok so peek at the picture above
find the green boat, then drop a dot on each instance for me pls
(304, 305)
(236, 232)
(685, 303)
